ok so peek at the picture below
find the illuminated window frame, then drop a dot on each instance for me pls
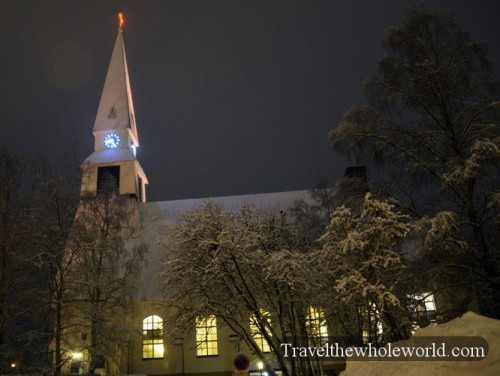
(373, 328)
(257, 335)
(206, 336)
(422, 308)
(152, 338)
(317, 330)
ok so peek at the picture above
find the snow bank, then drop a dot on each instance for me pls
(470, 324)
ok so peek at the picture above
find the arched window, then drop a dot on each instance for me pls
(257, 335)
(152, 337)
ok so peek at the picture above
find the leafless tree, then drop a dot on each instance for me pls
(241, 266)
(11, 232)
(105, 275)
(431, 130)
(361, 259)
(51, 218)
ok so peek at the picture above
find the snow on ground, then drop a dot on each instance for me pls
(470, 324)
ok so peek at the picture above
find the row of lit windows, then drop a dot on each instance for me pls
(206, 334)
(422, 308)
(152, 337)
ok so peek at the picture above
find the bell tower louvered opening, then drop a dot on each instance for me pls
(108, 179)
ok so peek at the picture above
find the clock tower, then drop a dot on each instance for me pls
(114, 164)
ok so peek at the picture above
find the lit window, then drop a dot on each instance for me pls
(206, 336)
(422, 309)
(152, 338)
(372, 324)
(257, 335)
(316, 328)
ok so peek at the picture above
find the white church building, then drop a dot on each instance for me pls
(152, 351)
(114, 161)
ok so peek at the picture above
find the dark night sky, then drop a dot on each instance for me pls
(231, 97)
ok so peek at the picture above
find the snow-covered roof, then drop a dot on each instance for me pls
(157, 217)
(110, 156)
(168, 210)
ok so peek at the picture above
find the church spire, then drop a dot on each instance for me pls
(116, 108)
(113, 162)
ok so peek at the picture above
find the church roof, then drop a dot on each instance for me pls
(170, 210)
(158, 217)
(110, 156)
(116, 109)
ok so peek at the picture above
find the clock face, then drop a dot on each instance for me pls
(111, 141)
(133, 148)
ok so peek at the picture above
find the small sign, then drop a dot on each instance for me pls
(241, 361)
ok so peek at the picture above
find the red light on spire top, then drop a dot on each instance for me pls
(120, 18)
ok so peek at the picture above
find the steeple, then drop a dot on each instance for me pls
(115, 133)
(116, 108)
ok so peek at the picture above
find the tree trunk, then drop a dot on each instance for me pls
(58, 333)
